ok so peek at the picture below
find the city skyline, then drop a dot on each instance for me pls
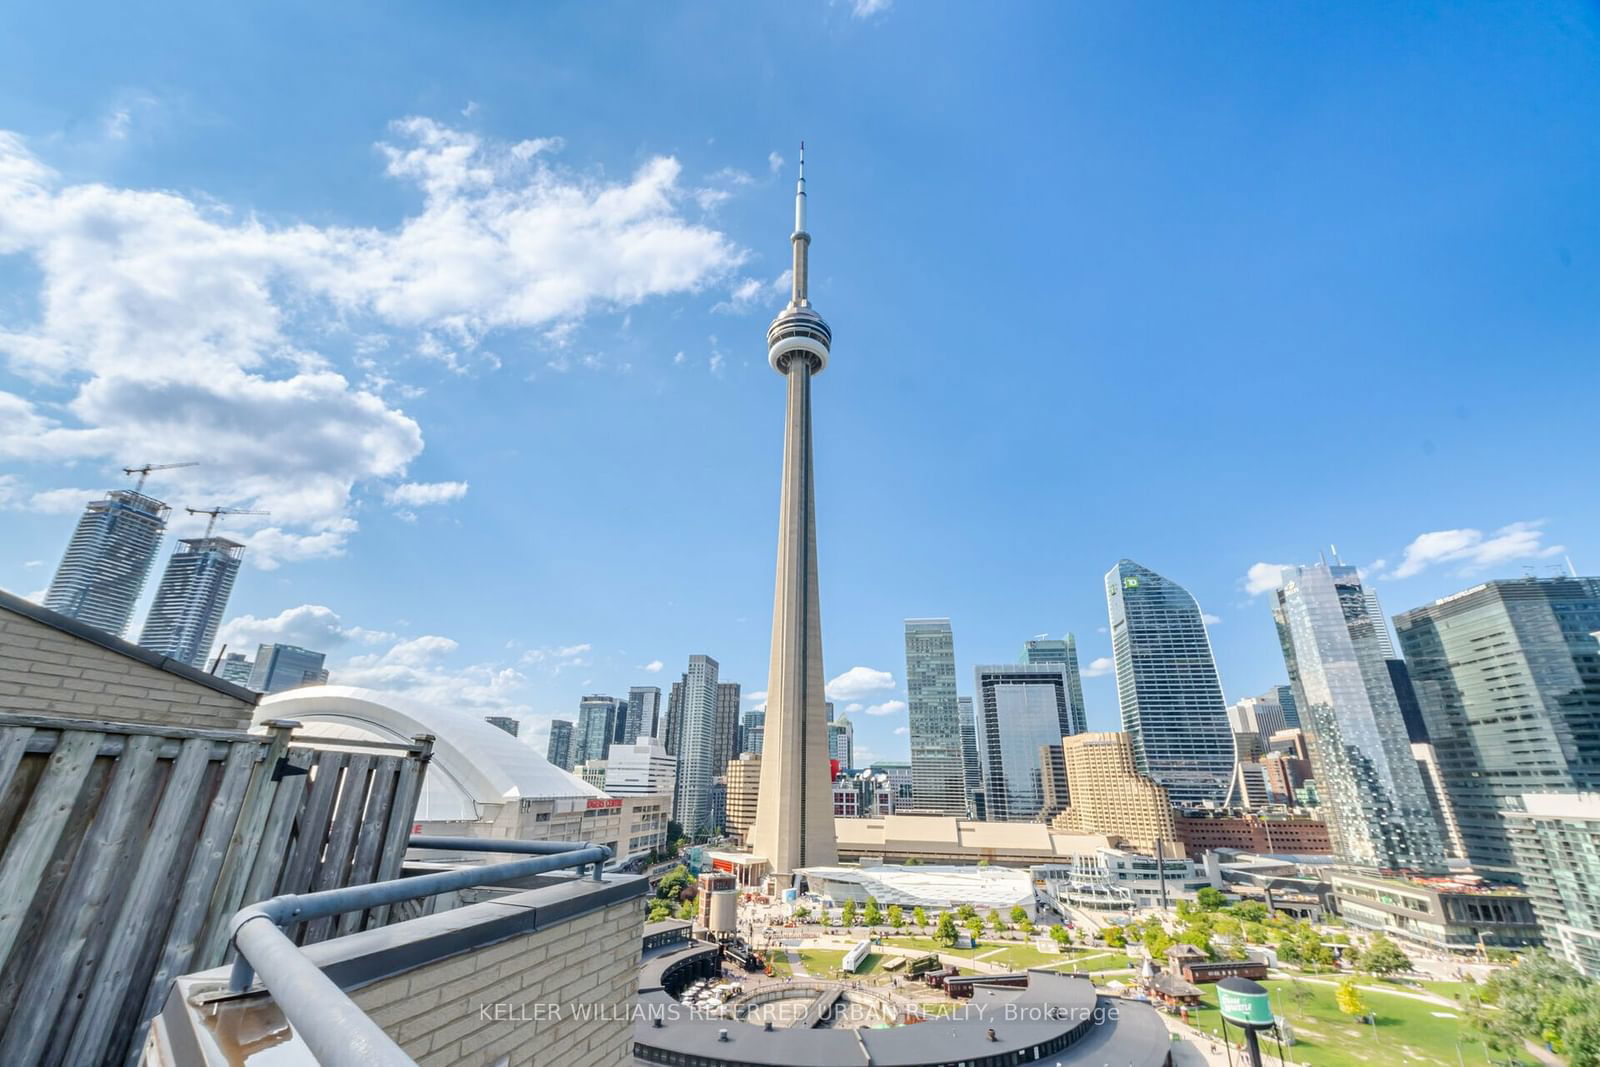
(1135, 266)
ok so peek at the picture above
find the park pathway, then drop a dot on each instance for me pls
(1422, 995)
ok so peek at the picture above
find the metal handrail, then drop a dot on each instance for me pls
(336, 1031)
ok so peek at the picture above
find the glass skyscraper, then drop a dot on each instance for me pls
(1064, 652)
(1371, 792)
(597, 728)
(1167, 685)
(697, 748)
(559, 751)
(1020, 708)
(1507, 676)
(751, 731)
(644, 709)
(969, 757)
(108, 559)
(280, 667)
(191, 598)
(938, 771)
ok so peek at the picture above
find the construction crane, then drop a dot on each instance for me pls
(144, 471)
(216, 512)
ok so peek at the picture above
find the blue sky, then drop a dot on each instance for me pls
(473, 300)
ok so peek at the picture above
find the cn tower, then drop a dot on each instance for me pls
(794, 812)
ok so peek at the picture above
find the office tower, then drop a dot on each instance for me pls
(640, 769)
(842, 743)
(191, 598)
(752, 732)
(593, 772)
(672, 725)
(560, 751)
(1380, 625)
(597, 725)
(973, 774)
(1251, 787)
(280, 667)
(1556, 840)
(743, 788)
(1019, 708)
(235, 667)
(938, 768)
(1167, 686)
(619, 723)
(794, 816)
(1406, 694)
(697, 766)
(1371, 792)
(504, 722)
(827, 706)
(726, 742)
(1064, 652)
(1283, 696)
(1507, 674)
(1110, 796)
(108, 559)
(1247, 745)
(1444, 811)
(1257, 715)
(644, 712)
(1053, 779)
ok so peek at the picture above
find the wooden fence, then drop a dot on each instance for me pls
(125, 849)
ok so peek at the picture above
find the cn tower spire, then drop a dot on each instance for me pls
(800, 238)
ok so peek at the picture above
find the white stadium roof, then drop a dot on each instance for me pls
(473, 763)
(929, 885)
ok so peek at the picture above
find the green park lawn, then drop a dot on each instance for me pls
(1407, 1031)
(1019, 956)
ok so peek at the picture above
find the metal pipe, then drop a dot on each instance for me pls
(292, 908)
(338, 1033)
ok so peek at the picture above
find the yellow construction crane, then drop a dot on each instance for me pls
(215, 512)
(143, 471)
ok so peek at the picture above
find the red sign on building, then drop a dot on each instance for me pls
(605, 802)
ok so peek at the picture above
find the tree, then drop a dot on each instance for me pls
(945, 934)
(919, 915)
(659, 910)
(1211, 899)
(995, 922)
(1200, 940)
(1026, 926)
(1060, 936)
(674, 882)
(849, 913)
(1383, 957)
(1019, 914)
(1251, 911)
(688, 908)
(965, 912)
(1115, 938)
(897, 916)
(874, 916)
(911, 861)
(802, 913)
(975, 928)
(1349, 998)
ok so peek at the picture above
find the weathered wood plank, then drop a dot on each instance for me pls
(335, 868)
(369, 844)
(200, 879)
(13, 743)
(100, 858)
(311, 828)
(38, 834)
(44, 741)
(273, 852)
(51, 722)
(241, 850)
(408, 787)
(93, 1035)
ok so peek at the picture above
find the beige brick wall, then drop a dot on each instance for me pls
(44, 671)
(479, 1006)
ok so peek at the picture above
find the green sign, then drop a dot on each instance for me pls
(1246, 1009)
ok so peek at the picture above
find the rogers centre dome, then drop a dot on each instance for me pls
(474, 764)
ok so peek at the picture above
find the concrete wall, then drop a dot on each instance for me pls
(496, 1001)
(49, 666)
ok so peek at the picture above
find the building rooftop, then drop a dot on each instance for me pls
(937, 833)
(474, 763)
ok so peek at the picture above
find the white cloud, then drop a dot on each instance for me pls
(11, 491)
(901, 731)
(888, 707)
(557, 658)
(852, 708)
(862, 9)
(1099, 666)
(62, 501)
(34, 563)
(314, 626)
(1474, 550)
(654, 666)
(1210, 619)
(1263, 577)
(412, 670)
(859, 683)
(774, 162)
(759, 694)
(419, 494)
(178, 327)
